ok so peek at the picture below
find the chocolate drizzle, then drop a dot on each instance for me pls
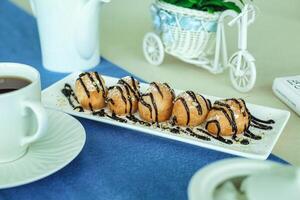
(143, 102)
(122, 95)
(186, 109)
(108, 100)
(194, 98)
(208, 104)
(84, 86)
(157, 88)
(155, 107)
(251, 135)
(129, 90)
(258, 125)
(193, 134)
(101, 84)
(129, 99)
(68, 92)
(262, 121)
(230, 118)
(91, 107)
(236, 101)
(113, 116)
(137, 120)
(93, 81)
(218, 137)
(134, 84)
(171, 90)
(132, 88)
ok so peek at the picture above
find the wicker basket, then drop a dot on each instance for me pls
(185, 33)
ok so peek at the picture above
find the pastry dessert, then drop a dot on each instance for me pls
(91, 91)
(157, 103)
(228, 117)
(122, 99)
(190, 109)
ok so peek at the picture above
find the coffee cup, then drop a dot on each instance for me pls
(23, 119)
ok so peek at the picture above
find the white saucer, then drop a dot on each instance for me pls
(63, 142)
(205, 181)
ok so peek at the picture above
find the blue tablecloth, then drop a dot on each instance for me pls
(115, 163)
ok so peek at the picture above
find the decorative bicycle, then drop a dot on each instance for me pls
(198, 38)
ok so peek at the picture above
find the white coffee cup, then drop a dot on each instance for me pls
(23, 119)
(69, 33)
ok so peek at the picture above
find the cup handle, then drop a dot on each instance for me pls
(42, 121)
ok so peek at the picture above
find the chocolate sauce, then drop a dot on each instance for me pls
(122, 95)
(218, 137)
(256, 124)
(134, 84)
(216, 123)
(173, 121)
(262, 121)
(101, 84)
(246, 109)
(93, 81)
(251, 135)
(236, 101)
(129, 98)
(136, 120)
(194, 98)
(143, 102)
(171, 90)
(175, 130)
(78, 108)
(91, 107)
(68, 92)
(245, 142)
(84, 86)
(157, 88)
(109, 100)
(193, 134)
(113, 116)
(155, 107)
(133, 89)
(187, 110)
(208, 104)
(231, 119)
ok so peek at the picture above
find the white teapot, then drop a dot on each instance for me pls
(69, 33)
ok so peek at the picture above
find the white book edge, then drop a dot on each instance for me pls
(286, 95)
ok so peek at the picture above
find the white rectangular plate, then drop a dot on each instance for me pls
(257, 149)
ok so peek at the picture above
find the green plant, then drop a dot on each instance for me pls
(210, 6)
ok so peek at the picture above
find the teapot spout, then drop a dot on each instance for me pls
(87, 28)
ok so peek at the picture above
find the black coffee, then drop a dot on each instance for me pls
(9, 84)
